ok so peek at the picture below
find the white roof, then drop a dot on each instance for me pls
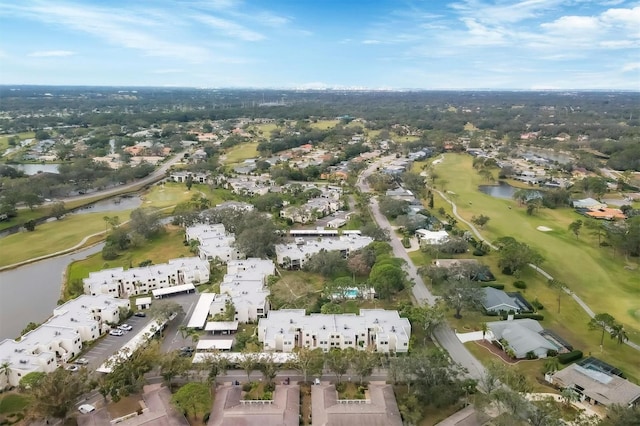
(143, 301)
(221, 325)
(221, 345)
(172, 290)
(201, 312)
(235, 357)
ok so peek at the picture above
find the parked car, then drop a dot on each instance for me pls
(140, 314)
(116, 332)
(86, 408)
(125, 327)
(82, 361)
(72, 368)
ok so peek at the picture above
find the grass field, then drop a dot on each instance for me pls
(241, 152)
(53, 236)
(4, 139)
(324, 124)
(593, 273)
(13, 403)
(165, 246)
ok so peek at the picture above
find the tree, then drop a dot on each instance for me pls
(374, 231)
(576, 227)
(617, 332)
(145, 221)
(58, 210)
(463, 294)
(551, 365)
(57, 393)
(364, 362)
(268, 367)
(5, 370)
(387, 279)
(193, 398)
(163, 310)
(189, 182)
(31, 326)
(533, 205)
(601, 322)
(326, 263)
(308, 362)
(173, 365)
(392, 208)
(514, 255)
(619, 415)
(569, 396)
(215, 365)
(339, 361)
(248, 363)
(425, 317)
(481, 220)
(559, 286)
(31, 380)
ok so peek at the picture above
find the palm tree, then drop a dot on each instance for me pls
(551, 365)
(5, 369)
(617, 332)
(484, 328)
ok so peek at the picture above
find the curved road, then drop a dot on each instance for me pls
(539, 270)
(443, 334)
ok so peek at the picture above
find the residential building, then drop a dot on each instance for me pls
(230, 409)
(497, 301)
(378, 329)
(59, 339)
(596, 386)
(246, 284)
(181, 177)
(432, 237)
(214, 242)
(125, 283)
(588, 203)
(313, 209)
(380, 408)
(523, 337)
(294, 256)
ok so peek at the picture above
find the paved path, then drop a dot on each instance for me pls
(443, 334)
(541, 271)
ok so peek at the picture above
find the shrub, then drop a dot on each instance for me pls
(340, 387)
(109, 252)
(520, 284)
(569, 357)
(478, 252)
(538, 317)
(496, 286)
(270, 387)
(552, 353)
(246, 387)
(531, 355)
(536, 304)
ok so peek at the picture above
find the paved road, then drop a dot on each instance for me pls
(443, 334)
(155, 176)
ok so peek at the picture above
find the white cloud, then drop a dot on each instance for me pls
(371, 41)
(573, 24)
(168, 71)
(504, 12)
(230, 28)
(633, 66)
(52, 53)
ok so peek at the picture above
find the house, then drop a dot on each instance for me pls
(588, 203)
(379, 409)
(377, 329)
(431, 237)
(214, 242)
(230, 409)
(497, 301)
(400, 194)
(521, 336)
(596, 386)
(605, 213)
(181, 177)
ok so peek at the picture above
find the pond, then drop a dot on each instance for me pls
(112, 205)
(501, 190)
(34, 169)
(30, 293)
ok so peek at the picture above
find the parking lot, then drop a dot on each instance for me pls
(108, 345)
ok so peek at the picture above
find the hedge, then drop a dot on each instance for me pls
(496, 286)
(537, 317)
(569, 357)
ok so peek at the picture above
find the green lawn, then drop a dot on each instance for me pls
(4, 139)
(53, 236)
(241, 152)
(598, 277)
(324, 124)
(160, 249)
(13, 403)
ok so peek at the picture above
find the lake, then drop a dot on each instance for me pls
(34, 169)
(112, 205)
(31, 292)
(501, 190)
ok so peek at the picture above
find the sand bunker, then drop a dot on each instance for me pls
(544, 229)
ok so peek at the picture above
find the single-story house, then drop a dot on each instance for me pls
(596, 387)
(522, 336)
(432, 237)
(588, 203)
(606, 213)
(497, 300)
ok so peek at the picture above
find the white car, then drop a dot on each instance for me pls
(86, 408)
(72, 368)
(125, 327)
(116, 332)
(82, 361)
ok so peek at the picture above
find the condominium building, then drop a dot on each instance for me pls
(214, 242)
(59, 339)
(378, 329)
(125, 283)
(294, 256)
(246, 284)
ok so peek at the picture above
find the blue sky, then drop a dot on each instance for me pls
(428, 44)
